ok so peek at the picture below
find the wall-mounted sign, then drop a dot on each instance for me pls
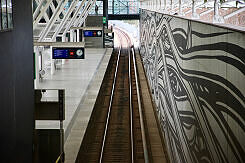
(6, 18)
(68, 53)
(92, 33)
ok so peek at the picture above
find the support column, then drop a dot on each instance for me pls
(172, 7)
(164, 5)
(83, 39)
(159, 5)
(180, 8)
(52, 67)
(113, 7)
(195, 15)
(36, 51)
(105, 11)
(217, 18)
(64, 38)
(74, 36)
(71, 35)
(78, 35)
(105, 14)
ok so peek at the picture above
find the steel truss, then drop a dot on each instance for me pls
(185, 7)
(55, 18)
(123, 7)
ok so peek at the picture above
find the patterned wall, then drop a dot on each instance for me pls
(197, 75)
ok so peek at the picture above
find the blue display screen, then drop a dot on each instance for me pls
(68, 53)
(88, 33)
(92, 33)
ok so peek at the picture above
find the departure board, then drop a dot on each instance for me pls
(92, 33)
(68, 53)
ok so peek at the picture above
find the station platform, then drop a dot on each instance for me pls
(85, 109)
(81, 80)
(172, 90)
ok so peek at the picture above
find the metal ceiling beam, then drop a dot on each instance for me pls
(80, 18)
(46, 18)
(53, 19)
(42, 13)
(36, 12)
(65, 19)
(70, 23)
(84, 15)
(206, 12)
(234, 13)
(124, 17)
(53, 7)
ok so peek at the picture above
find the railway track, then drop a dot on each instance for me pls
(115, 132)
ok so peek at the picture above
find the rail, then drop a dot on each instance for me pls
(139, 100)
(131, 62)
(110, 104)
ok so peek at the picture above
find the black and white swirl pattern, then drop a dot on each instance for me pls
(197, 76)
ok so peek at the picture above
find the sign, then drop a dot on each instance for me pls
(92, 33)
(68, 53)
(104, 20)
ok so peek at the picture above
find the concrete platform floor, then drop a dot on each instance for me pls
(75, 77)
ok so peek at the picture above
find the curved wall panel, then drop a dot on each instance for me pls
(197, 75)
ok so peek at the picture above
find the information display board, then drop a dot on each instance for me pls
(67, 53)
(92, 33)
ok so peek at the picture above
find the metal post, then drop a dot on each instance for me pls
(105, 14)
(64, 38)
(36, 51)
(159, 5)
(113, 7)
(71, 35)
(42, 13)
(81, 19)
(105, 11)
(72, 22)
(52, 69)
(78, 35)
(165, 4)
(83, 39)
(74, 36)
(172, 7)
(62, 150)
(195, 15)
(180, 8)
(217, 18)
(64, 20)
(36, 12)
(52, 20)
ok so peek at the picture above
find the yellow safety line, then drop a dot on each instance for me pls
(57, 160)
